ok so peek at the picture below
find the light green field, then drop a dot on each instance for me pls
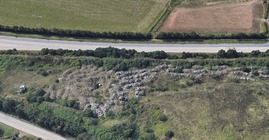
(93, 15)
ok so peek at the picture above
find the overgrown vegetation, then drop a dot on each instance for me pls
(7, 132)
(215, 107)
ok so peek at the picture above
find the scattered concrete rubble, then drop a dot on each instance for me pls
(23, 89)
(101, 91)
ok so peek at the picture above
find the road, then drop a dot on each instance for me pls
(28, 128)
(7, 42)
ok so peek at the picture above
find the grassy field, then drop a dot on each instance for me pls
(7, 132)
(214, 110)
(101, 15)
(201, 16)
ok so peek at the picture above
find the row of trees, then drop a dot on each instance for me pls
(127, 35)
(105, 52)
(76, 33)
(123, 53)
(130, 54)
(194, 35)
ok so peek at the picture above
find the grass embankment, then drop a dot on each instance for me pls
(101, 15)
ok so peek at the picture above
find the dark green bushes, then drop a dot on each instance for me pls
(76, 33)
(169, 134)
(195, 36)
(163, 118)
(127, 35)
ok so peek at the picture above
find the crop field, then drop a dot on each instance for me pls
(216, 17)
(93, 15)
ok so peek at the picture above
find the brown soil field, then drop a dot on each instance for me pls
(225, 18)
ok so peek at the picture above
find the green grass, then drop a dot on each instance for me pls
(7, 131)
(94, 15)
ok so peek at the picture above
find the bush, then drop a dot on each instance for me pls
(169, 134)
(163, 118)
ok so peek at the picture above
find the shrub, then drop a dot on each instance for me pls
(163, 118)
(169, 134)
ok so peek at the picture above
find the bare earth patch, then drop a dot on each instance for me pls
(228, 18)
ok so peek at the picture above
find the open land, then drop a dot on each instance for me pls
(93, 15)
(220, 18)
(193, 101)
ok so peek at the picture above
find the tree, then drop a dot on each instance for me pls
(163, 118)
(232, 53)
(1, 104)
(89, 113)
(44, 51)
(169, 134)
(9, 105)
(84, 136)
(255, 53)
(221, 54)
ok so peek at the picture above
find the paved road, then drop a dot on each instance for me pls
(7, 42)
(28, 128)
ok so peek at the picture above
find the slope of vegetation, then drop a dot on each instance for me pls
(181, 96)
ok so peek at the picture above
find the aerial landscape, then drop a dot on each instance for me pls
(134, 70)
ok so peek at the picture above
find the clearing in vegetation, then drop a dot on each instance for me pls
(93, 15)
(220, 18)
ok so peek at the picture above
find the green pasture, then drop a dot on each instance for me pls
(93, 15)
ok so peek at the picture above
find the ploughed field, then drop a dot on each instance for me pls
(93, 15)
(216, 18)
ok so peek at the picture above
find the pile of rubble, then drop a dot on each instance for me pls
(102, 91)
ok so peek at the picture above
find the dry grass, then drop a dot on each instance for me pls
(212, 110)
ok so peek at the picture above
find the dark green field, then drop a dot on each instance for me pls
(101, 15)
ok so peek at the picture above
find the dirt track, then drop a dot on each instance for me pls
(229, 18)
